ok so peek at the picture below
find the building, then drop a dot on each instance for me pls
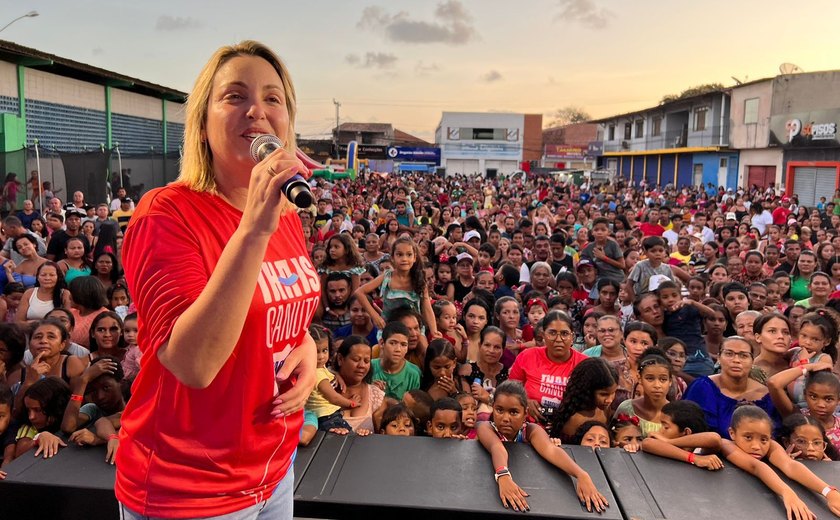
(488, 143)
(567, 147)
(683, 142)
(91, 126)
(760, 163)
(804, 120)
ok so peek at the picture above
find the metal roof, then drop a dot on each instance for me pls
(35, 59)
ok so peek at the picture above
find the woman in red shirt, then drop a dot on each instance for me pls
(545, 371)
(224, 303)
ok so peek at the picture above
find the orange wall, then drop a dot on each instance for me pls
(532, 142)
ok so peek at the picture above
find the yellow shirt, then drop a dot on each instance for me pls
(317, 403)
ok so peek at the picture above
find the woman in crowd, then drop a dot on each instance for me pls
(720, 394)
(50, 291)
(353, 365)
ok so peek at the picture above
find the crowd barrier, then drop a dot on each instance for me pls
(383, 476)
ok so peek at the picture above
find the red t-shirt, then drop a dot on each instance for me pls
(187, 452)
(780, 216)
(544, 380)
(651, 230)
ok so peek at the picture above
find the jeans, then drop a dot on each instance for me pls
(278, 507)
(334, 420)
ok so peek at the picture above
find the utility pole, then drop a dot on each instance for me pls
(335, 134)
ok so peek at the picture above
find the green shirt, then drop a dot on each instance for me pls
(397, 384)
(836, 202)
(799, 288)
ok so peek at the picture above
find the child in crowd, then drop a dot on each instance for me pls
(535, 311)
(683, 320)
(821, 394)
(399, 375)
(697, 288)
(439, 377)
(675, 350)
(403, 286)
(626, 433)
(817, 344)
(588, 397)
(805, 438)
(342, 257)
(655, 375)
(443, 277)
(131, 361)
(445, 420)
(398, 420)
(446, 319)
(325, 401)
(469, 414)
(650, 272)
(753, 450)
(508, 424)
(592, 434)
(102, 383)
(684, 431)
(119, 300)
(12, 293)
(45, 402)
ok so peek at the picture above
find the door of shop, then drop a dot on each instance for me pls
(811, 183)
(760, 176)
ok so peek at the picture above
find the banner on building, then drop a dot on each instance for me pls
(365, 151)
(414, 154)
(562, 151)
(817, 129)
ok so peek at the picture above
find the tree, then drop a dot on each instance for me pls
(691, 92)
(568, 115)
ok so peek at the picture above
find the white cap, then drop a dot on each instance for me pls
(472, 234)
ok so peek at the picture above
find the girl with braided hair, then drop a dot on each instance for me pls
(588, 397)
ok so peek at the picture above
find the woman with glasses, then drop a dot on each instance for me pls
(718, 395)
(545, 370)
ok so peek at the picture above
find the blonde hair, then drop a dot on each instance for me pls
(197, 161)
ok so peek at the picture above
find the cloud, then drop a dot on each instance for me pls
(452, 25)
(422, 69)
(176, 23)
(585, 12)
(492, 76)
(378, 60)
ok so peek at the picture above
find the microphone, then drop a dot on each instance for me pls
(295, 189)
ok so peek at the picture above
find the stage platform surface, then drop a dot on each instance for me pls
(378, 476)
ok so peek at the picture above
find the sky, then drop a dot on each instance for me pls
(405, 62)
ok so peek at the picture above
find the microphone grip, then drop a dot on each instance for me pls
(297, 191)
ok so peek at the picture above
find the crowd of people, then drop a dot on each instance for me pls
(603, 315)
(695, 323)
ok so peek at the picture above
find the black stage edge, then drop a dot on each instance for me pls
(652, 488)
(346, 477)
(418, 477)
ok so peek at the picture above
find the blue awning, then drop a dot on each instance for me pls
(412, 167)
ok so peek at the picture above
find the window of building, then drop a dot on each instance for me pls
(751, 111)
(611, 133)
(484, 134)
(700, 114)
(640, 128)
(656, 127)
(628, 128)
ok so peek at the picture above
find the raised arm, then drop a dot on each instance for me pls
(557, 456)
(794, 506)
(509, 492)
(798, 472)
(778, 385)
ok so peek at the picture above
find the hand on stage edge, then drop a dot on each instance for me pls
(301, 363)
